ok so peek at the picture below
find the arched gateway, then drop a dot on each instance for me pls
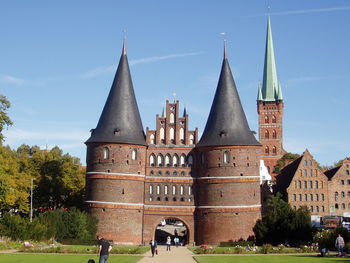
(210, 186)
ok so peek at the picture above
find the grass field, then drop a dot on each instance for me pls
(62, 258)
(270, 259)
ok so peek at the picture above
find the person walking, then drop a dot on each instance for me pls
(168, 243)
(176, 241)
(154, 248)
(103, 249)
(339, 243)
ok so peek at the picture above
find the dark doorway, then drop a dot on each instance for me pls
(172, 227)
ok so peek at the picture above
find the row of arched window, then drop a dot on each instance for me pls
(106, 154)
(308, 197)
(313, 208)
(342, 194)
(171, 136)
(343, 206)
(169, 160)
(167, 190)
(267, 134)
(308, 184)
(273, 150)
(308, 172)
(272, 119)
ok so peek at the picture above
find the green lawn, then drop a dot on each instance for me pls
(269, 259)
(62, 258)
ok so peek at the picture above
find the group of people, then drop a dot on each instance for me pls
(154, 245)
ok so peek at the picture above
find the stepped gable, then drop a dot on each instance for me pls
(120, 121)
(227, 123)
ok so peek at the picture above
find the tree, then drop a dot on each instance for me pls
(5, 120)
(282, 224)
(285, 159)
(14, 183)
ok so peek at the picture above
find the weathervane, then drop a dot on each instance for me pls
(174, 95)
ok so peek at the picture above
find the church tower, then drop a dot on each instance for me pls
(116, 154)
(270, 108)
(228, 187)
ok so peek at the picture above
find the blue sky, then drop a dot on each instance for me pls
(58, 60)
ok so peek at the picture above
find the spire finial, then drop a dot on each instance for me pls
(124, 41)
(174, 95)
(225, 42)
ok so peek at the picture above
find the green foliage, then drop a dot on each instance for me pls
(58, 224)
(14, 183)
(5, 120)
(286, 158)
(326, 238)
(283, 225)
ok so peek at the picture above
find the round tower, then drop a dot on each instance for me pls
(228, 188)
(116, 154)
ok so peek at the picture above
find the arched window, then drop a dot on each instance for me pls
(322, 195)
(167, 160)
(226, 157)
(274, 134)
(317, 209)
(162, 135)
(189, 190)
(175, 160)
(105, 153)
(182, 160)
(174, 190)
(171, 118)
(274, 150)
(311, 197)
(165, 189)
(316, 197)
(152, 159)
(133, 154)
(190, 160)
(151, 139)
(343, 206)
(191, 139)
(202, 158)
(294, 197)
(273, 119)
(172, 135)
(267, 150)
(299, 184)
(336, 196)
(342, 194)
(181, 190)
(158, 189)
(151, 189)
(305, 197)
(267, 134)
(160, 160)
(182, 135)
(266, 119)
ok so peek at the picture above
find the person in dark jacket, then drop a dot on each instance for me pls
(153, 244)
(103, 249)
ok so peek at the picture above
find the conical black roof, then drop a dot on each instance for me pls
(120, 121)
(227, 124)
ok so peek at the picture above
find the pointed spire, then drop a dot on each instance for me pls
(270, 84)
(124, 46)
(225, 51)
(163, 112)
(259, 98)
(120, 121)
(184, 114)
(227, 124)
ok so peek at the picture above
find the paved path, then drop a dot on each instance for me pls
(176, 255)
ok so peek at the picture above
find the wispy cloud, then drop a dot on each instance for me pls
(303, 11)
(12, 80)
(106, 69)
(13, 135)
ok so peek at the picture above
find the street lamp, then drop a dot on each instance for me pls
(31, 200)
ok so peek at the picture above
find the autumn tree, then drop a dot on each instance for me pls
(5, 120)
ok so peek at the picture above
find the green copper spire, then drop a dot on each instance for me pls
(259, 98)
(271, 90)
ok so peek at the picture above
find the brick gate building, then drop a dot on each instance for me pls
(135, 180)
